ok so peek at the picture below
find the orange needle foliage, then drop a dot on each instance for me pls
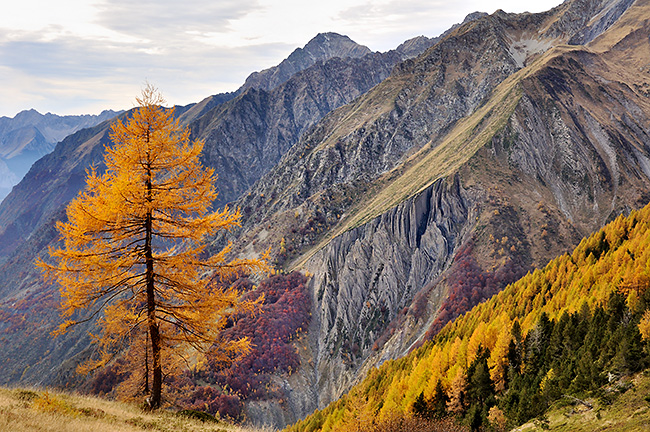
(134, 249)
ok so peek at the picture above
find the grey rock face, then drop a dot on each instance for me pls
(613, 10)
(417, 104)
(365, 277)
(586, 161)
(248, 135)
(584, 20)
(417, 45)
(362, 281)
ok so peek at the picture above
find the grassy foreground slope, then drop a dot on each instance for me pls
(613, 260)
(629, 412)
(36, 411)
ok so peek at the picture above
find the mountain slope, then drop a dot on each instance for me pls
(257, 125)
(30, 135)
(418, 200)
(613, 260)
(247, 136)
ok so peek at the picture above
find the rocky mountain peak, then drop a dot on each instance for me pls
(322, 47)
(328, 45)
(417, 45)
(27, 115)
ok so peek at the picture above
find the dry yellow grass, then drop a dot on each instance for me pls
(46, 411)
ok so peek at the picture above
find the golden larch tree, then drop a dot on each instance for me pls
(134, 249)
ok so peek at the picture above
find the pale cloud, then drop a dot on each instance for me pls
(75, 56)
(383, 24)
(167, 24)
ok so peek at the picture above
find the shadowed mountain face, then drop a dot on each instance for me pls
(245, 133)
(492, 152)
(408, 195)
(247, 136)
(30, 135)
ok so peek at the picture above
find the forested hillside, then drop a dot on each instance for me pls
(580, 323)
(410, 186)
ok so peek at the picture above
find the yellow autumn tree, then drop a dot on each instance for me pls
(134, 249)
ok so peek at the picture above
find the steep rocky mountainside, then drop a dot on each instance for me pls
(248, 135)
(249, 128)
(321, 48)
(576, 324)
(30, 135)
(417, 45)
(497, 148)
(494, 151)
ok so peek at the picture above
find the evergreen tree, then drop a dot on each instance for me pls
(421, 407)
(480, 386)
(475, 418)
(439, 401)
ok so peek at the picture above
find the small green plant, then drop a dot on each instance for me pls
(606, 398)
(26, 395)
(198, 415)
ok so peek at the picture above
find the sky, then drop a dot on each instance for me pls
(85, 56)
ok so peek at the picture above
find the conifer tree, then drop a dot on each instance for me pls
(439, 401)
(421, 407)
(480, 386)
(133, 253)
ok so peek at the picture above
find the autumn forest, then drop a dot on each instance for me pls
(451, 235)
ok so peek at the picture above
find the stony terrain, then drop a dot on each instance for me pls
(392, 179)
(534, 154)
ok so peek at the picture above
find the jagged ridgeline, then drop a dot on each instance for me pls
(580, 322)
(493, 152)
(411, 187)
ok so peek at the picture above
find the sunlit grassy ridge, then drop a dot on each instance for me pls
(444, 157)
(27, 410)
(615, 258)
